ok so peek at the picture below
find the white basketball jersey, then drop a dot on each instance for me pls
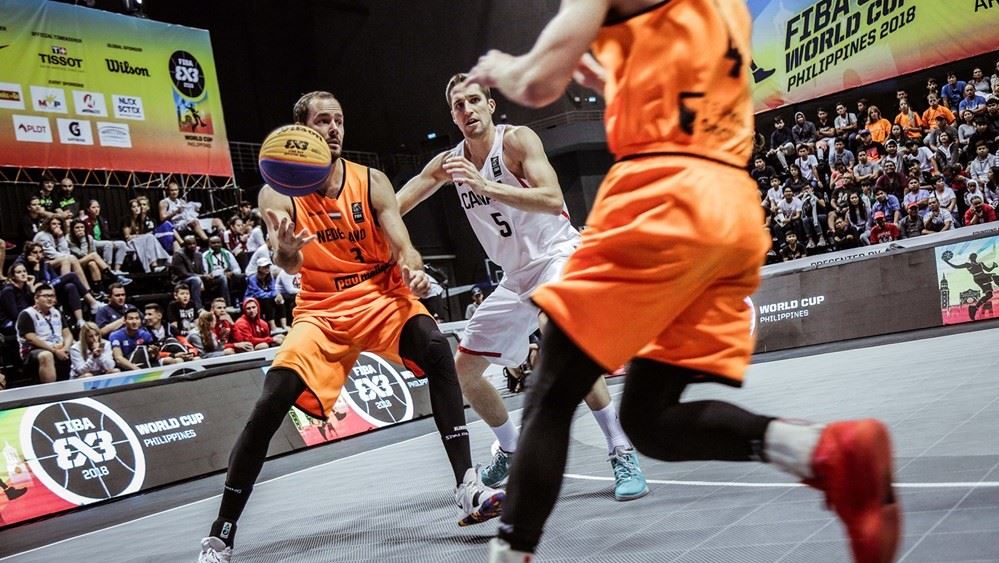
(511, 237)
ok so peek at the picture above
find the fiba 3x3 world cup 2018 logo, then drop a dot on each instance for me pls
(377, 392)
(82, 450)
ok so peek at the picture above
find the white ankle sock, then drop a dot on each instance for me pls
(507, 435)
(611, 427)
(790, 444)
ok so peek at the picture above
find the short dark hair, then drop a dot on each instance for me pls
(115, 286)
(42, 287)
(458, 79)
(300, 112)
(131, 310)
(154, 307)
(181, 285)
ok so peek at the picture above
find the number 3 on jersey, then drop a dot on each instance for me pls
(504, 227)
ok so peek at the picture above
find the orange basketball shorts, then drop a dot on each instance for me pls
(672, 248)
(322, 347)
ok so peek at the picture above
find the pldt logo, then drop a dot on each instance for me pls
(82, 451)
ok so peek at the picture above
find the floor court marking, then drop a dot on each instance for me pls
(737, 484)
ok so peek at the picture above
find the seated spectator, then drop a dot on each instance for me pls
(188, 266)
(814, 216)
(974, 190)
(787, 216)
(839, 201)
(915, 195)
(246, 212)
(924, 156)
(803, 131)
(223, 328)
(937, 219)
(912, 224)
(980, 82)
(774, 194)
(65, 200)
(792, 250)
(892, 181)
(202, 337)
(92, 355)
(865, 169)
(840, 154)
(263, 287)
(781, 143)
(132, 344)
(111, 317)
(992, 117)
(288, 286)
(762, 172)
(887, 204)
(43, 341)
(878, 126)
(55, 247)
(258, 233)
(171, 343)
(138, 232)
(83, 247)
(992, 187)
(972, 101)
(15, 296)
(825, 127)
(979, 212)
(181, 312)
(845, 124)
(952, 91)
(71, 290)
(251, 328)
(944, 195)
(223, 267)
(978, 168)
(911, 122)
(883, 230)
(234, 239)
(874, 149)
(982, 134)
(948, 153)
(181, 214)
(113, 252)
(845, 236)
(477, 299)
(892, 154)
(858, 214)
(966, 129)
(47, 199)
(809, 166)
(897, 135)
(795, 181)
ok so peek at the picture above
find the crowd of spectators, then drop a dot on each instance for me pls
(856, 175)
(65, 297)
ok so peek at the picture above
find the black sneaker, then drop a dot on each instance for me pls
(13, 493)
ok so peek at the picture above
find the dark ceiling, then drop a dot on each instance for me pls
(386, 60)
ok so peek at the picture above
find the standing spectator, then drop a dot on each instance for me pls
(883, 231)
(65, 201)
(980, 83)
(803, 131)
(952, 91)
(891, 181)
(845, 124)
(44, 342)
(289, 286)
(181, 214)
(948, 152)
(83, 247)
(912, 224)
(878, 126)
(915, 195)
(972, 101)
(203, 337)
(132, 344)
(223, 328)
(72, 292)
(979, 212)
(251, 328)
(114, 252)
(188, 266)
(791, 250)
(979, 167)
(845, 235)
(111, 317)
(92, 355)
(181, 312)
(840, 154)
(15, 297)
(138, 232)
(224, 269)
(262, 287)
(477, 299)
(936, 219)
(886, 204)
(868, 145)
(172, 345)
(911, 122)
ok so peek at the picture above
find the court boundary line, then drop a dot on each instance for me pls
(737, 484)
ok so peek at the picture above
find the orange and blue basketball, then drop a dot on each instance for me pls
(295, 160)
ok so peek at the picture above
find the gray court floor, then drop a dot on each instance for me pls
(940, 397)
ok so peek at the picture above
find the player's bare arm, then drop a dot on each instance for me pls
(527, 159)
(286, 242)
(423, 185)
(386, 206)
(539, 77)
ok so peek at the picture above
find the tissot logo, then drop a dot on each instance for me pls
(58, 50)
(59, 56)
(124, 67)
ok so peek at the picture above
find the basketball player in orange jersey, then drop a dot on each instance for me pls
(511, 196)
(671, 250)
(360, 280)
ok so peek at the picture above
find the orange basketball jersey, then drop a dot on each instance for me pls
(350, 261)
(677, 80)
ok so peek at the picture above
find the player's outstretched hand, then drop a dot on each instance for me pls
(417, 281)
(289, 241)
(463, 171)
(590, 74)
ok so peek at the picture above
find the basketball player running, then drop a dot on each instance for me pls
(524, 227)
(359, 276)
(673, 238)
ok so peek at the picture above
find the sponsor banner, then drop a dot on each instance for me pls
(852, 300)
(75, 131)
(968, 280)
(32, 129)
(153, 86)
(805, 49)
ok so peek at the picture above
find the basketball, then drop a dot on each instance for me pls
(947, 255)
(295, 160)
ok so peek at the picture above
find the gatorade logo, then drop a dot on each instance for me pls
(82, 451)
(377, 392)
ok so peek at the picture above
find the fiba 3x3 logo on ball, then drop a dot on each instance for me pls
(82, 450)
(377, 392)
